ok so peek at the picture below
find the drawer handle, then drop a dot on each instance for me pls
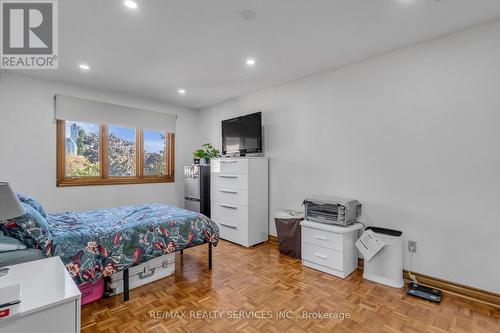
(228, 191)
(229, 161)
(320, 255)
(227, 206)
(320, 237)
(226, 176)
(232, 226)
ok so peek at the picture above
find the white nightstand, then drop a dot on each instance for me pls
(330, 248)
(50, 299)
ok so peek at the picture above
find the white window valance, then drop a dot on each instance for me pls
(88, 111)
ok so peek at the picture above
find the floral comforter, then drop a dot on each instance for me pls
(98, 243)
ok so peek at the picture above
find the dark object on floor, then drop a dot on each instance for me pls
(289, 233)
(108, 292)
(430, 294)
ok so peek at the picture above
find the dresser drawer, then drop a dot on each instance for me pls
(322, 256)
(230, 196)
(230, 181)
(322, 238)
(229, 166)
(228, 212)
(233, 232)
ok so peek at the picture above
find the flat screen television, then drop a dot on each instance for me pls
(242, 135)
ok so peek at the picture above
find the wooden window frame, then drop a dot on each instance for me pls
(104, 179)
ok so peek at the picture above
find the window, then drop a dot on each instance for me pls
(82, 145)
(95, 154)
(122, 149)
(155, 150)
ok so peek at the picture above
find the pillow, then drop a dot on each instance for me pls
(31, 229)
(8, 243)
(33, 203)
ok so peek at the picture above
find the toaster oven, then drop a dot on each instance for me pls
(331, 210)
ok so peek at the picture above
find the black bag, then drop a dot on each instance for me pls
(289, 236)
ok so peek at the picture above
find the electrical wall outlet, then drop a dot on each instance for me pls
(412, 246)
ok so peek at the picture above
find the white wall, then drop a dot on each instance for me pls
(28, 146)
(414, 135)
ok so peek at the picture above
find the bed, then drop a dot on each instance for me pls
(98, 243)
(10, 258)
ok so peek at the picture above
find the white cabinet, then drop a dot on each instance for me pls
(239, 194)
(330, 248)
(50, 299)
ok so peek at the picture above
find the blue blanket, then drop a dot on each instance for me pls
(98, 243)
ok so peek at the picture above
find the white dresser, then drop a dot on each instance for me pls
(239, 199)
(50, 299)
(330, 248)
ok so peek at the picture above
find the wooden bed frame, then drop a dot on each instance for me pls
(126, 288)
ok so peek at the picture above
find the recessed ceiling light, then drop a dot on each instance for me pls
(84, 67)
(130, 4)
(250, 62)
(182, 91)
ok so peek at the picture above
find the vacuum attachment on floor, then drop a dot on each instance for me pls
(430, 294)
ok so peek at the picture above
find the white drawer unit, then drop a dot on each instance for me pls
(330, 248)
(323, 256)
(230, 181)
(50, 299)
(232, 196)
(233, 232)
(229, 212)
(329, 240)
(239, 194)
(231, 165)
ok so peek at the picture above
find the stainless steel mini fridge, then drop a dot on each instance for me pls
(197, 188)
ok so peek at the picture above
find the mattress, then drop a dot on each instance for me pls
(19, 256)
(98, 243)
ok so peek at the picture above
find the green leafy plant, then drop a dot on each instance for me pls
(207, 151)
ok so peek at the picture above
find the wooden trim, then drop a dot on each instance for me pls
(139, 154)
(452, 288)
(87, 181)
(471, 293)
(104, 178)
(60, 150)
(104, 151)
(171, 155)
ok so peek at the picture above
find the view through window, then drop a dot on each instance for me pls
(93, 154)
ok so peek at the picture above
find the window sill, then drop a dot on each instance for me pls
(110, 181)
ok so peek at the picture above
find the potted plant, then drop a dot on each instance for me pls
(206, 152)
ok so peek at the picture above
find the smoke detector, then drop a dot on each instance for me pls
(247, 15)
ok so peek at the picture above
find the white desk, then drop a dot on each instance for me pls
(50, 299)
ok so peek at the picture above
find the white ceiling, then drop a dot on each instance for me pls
(201, 45)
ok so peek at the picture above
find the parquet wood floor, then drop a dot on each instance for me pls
(262, 280)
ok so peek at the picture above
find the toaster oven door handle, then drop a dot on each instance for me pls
(320, 256)
(320, 237)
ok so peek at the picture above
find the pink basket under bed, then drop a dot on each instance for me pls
(91, 292)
